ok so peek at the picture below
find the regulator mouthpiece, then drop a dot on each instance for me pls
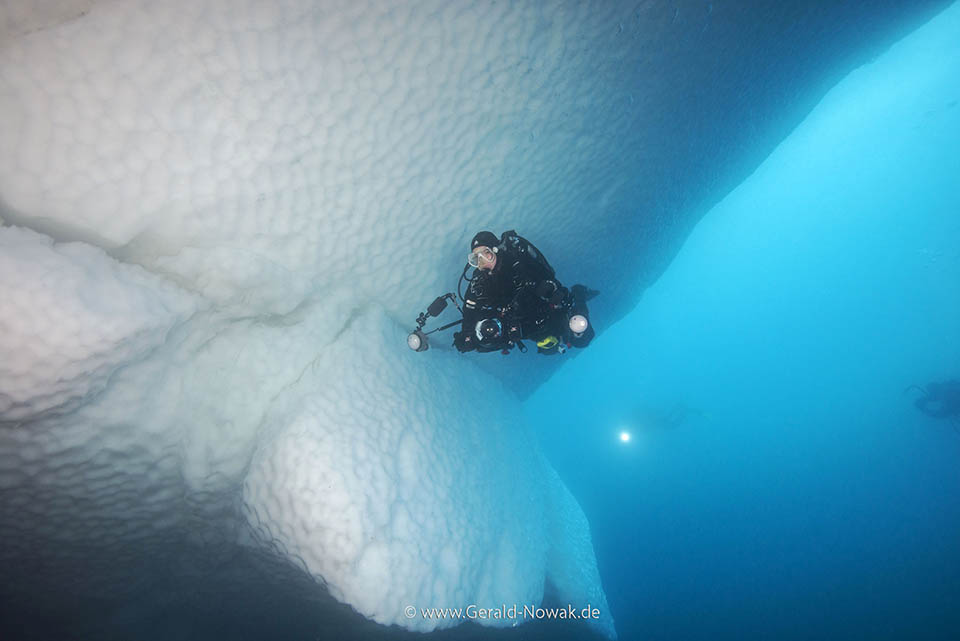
(578, 324)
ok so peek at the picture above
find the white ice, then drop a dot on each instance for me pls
(219, 217)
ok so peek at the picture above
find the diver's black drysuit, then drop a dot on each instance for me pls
(520, 298)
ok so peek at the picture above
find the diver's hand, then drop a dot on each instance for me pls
(464, 342)
(546, 289)
(561, 298)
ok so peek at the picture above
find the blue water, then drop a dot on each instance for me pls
(800, 495)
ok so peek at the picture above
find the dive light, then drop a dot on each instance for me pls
(578, 324)
(417, 340)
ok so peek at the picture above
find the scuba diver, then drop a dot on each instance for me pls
(513, 295)
(939, 400)
(651, 419)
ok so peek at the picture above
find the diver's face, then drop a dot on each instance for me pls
(483, 258)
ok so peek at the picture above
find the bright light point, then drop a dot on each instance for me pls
(625, 436)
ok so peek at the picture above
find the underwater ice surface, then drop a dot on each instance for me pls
(218, 217)
(777, 482)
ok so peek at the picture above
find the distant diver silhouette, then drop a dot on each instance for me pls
(939, 400)
(651, 419)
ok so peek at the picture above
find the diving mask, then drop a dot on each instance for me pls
(482, 256)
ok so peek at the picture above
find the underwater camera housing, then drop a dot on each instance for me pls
(417, 339)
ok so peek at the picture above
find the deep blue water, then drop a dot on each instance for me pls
(800, 494)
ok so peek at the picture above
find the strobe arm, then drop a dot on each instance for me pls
(417, 340)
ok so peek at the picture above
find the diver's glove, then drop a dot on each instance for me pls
(546, 289)
(464, 342)
(561, 298)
